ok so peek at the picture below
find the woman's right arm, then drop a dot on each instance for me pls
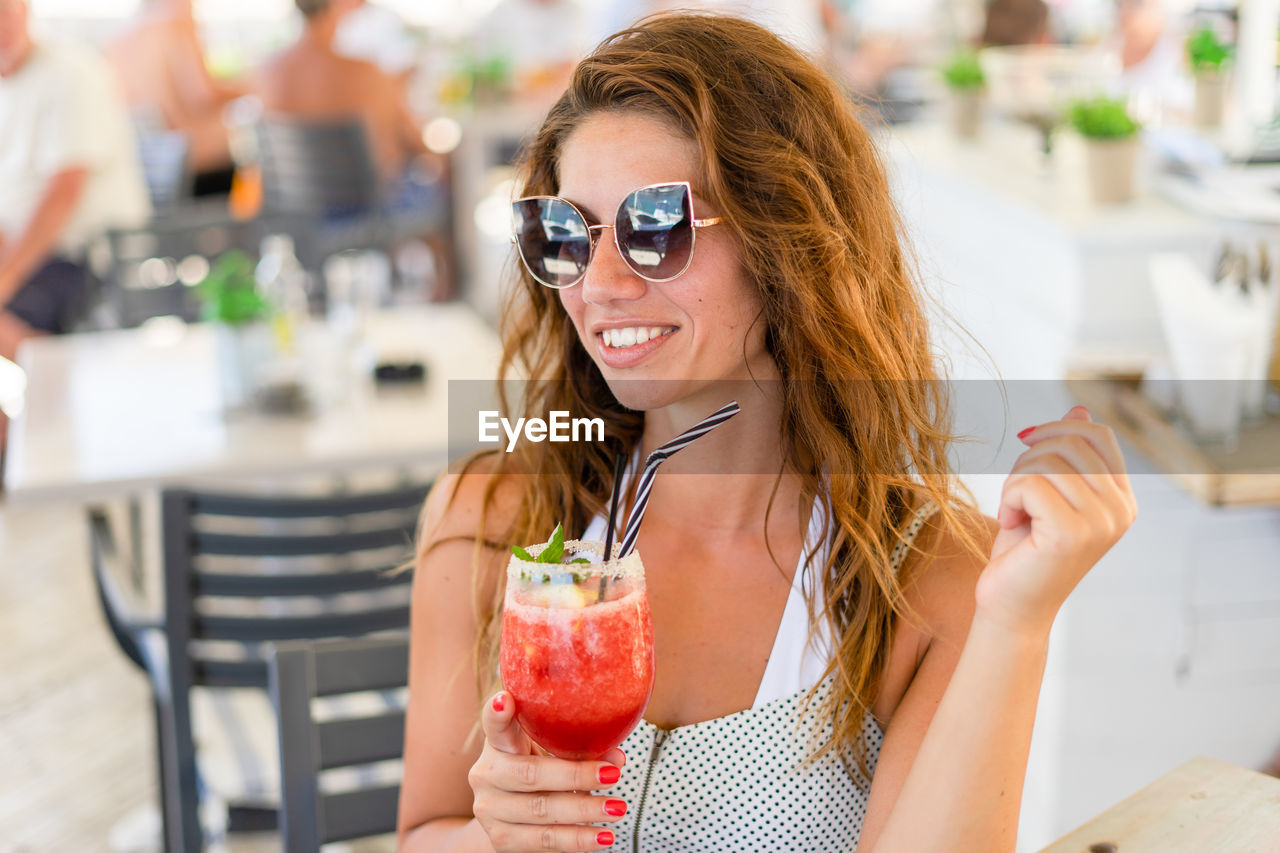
(476, 794)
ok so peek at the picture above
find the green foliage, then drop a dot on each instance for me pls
(1205, 51)
(1102, 118)
(229, 293)
(553, 553)
(963, 71)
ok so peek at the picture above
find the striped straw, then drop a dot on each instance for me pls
(655, 459)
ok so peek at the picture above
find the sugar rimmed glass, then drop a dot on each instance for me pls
(577, 651)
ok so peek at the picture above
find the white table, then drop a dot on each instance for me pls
(1044, 278)
(118, 412)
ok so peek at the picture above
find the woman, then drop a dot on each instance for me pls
(910, 730)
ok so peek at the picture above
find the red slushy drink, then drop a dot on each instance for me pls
(578, 664)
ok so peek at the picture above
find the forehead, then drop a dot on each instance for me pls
(613, 153)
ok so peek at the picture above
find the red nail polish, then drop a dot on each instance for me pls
(617, 808)
(1026, 432)
(605, 838)
(608, 775)
(498, 704)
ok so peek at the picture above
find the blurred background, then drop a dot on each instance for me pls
(246, 246)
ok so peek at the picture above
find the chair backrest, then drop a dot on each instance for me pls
(316, 168)
(244, 571)
(163, 155)
(152, 269)
(303, 672)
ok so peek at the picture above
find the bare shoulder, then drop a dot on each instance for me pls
(368, 76)
(457, 503)
(941, 575)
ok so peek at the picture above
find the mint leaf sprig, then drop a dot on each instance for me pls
(553, 553)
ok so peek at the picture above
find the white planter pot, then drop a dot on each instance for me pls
(242, 351)
(966, 112)
(1111, 164)
(1211, 99)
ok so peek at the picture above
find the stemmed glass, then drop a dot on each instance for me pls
(577, 649)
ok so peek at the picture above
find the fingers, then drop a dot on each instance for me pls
(1066, 436)
(1078, 422)
(529, 773)
(526, 801)
(553, 808)
(503, 733)
(549, 838)
(1073, 457)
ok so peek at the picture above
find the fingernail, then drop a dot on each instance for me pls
(605, 838)
(617, 808)
(498, 704)
(607, 775)
(1026, 432)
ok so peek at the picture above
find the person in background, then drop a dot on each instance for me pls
(876, 38)
(160, 62)
(1016, 22)
(376, 34)
(69, 171)
(311, 80)
(1150, 44)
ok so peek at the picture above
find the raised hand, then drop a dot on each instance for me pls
(529, 801)
(1066, 502)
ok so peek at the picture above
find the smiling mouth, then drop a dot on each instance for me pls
(633, 335)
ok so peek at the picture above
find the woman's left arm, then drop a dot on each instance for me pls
(952, 764)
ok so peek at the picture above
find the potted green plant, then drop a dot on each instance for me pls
(967, 84)
(1111, 146)
(1208, 57)
(230, 301)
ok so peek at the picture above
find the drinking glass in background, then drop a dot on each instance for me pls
(577, 650)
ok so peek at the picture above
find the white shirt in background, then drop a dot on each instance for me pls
(376, 34)
(62, 110)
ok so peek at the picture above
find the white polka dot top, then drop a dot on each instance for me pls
(740, 782)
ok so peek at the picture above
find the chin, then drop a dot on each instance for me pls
(645, 395)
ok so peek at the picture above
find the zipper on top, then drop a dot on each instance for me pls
(658, 740)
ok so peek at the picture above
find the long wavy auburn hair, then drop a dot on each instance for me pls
(801, 186)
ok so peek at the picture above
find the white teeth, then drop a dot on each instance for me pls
(621, 338)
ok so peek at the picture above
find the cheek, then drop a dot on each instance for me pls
(571, 302)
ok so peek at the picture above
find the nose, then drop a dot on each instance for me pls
(608, 277)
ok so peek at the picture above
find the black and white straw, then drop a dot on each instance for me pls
(655, 459)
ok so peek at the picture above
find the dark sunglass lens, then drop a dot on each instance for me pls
(553, 240)
(655, 230)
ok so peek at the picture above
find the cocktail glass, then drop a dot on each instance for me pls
(577, 649)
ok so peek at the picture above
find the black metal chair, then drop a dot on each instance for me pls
(310, 747)
(151, 270)
(163, 155)
(322, 176)
(312, 168)
(241, 572)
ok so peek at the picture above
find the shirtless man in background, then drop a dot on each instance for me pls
(161, 65)
(310, 80)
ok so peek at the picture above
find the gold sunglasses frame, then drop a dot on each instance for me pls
(594, 236)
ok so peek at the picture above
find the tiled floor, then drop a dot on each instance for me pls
(77, 767)
(74, 715)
